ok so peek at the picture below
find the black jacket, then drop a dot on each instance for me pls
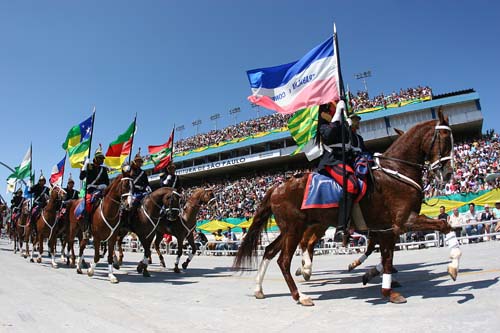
(40, 194)
(174, 181)
(95, 175)
(141, 181)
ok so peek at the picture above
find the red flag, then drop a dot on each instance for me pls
(161, 155)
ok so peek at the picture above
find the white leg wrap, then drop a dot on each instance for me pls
(177, 259)
(145, 260)
(379, 267)
(307, 262)
(386, 281)
(79, 262)
(110, 269)
(190, 256)
(363, 258)
(455, 255)
(451, 239)
(260, 274)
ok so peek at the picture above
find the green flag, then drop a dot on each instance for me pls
(303, 126)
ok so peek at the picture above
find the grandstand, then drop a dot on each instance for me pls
(271, 149)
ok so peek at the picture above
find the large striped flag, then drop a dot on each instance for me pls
(77, 142)
(312, 80)
(161, 155)
(57, 172)
(119, 149)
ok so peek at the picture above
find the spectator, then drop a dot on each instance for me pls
(456, 221)
(487, 216)
(471, 218)
(443, 217)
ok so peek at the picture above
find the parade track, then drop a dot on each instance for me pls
(210, 297)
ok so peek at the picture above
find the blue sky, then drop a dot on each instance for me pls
(173, 62)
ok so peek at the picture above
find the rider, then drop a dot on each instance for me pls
(331, 165)
(40, 194)
(97, 180)
(170, 179)
(71, 193)
(141, 182)
(16, 204)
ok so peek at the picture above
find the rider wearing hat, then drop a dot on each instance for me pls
(71, 193)
(141, 182)
(15, 203)
(331, 164)
(170, 179)
(97, 178)
(40, 194)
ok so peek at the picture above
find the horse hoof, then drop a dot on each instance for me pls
(140, 268)
(24, 256)
(79, 271)
(259, 295)
(116, 266)
(395, 284)
(55, 265)
(162, 264)
(150, 261)
(39, 260)
(31, 260)
(351, 267)
(397, 298)
(306, 276)
(113, 279)
(306, 301)
(120, 261)
(185, 265)
(453, 272)
(177, 270)
(365, 279)
(90, 272)
(298, 272)
(145, 273)
(394, 270)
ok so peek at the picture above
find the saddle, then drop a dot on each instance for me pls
(88, 206)
(324, 192)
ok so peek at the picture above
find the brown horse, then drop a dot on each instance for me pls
(48, 225)
(149, 216)
(393, 207)
(105, 219)
(72, 230)
(21, 230)
(182, 228)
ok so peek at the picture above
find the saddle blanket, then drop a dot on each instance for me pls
(324, 192)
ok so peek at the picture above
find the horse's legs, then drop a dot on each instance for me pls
(111, 250)
(142, 267)
(269, 253)
(39, 239)
(387, 244)
(52, 249)
(369, 250)
(192, 253)
(157, 242)
(97, 256)
(180, 243)
(83, 244)
(290, 242)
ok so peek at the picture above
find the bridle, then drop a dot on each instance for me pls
(428, 166)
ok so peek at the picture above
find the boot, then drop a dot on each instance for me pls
(86, 226)
(343, 222)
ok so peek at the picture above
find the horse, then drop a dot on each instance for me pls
(105, 217)
(182, 227)
(147, 219)
(73, 230)
(393, 206)
(21, 228)
(47, 225)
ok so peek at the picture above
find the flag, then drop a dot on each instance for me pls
(77, 142)
(119, 149)
(303, 126)
(57, 172)
(161, 155)
(312, 80)
(23, 170)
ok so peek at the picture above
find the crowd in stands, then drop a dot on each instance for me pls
(361, 100)
(243, 129)
(474, 160)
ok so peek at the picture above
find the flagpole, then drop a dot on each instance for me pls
(342, 125)
(64, 168)
(132, 142)
(172, 145)
(90, 150)
(32, 179)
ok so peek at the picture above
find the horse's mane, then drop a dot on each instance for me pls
(112, 184)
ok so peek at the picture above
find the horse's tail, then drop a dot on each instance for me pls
(248, 248)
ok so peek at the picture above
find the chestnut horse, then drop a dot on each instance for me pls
(182, 228)
(393, 207)
(105, 221)
(48, 225)
(21, 231)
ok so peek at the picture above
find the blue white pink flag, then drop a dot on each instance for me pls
(57, 172)
(312, 80)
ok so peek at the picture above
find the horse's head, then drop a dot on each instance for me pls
(57, 195)
(171, 201)
(123, 185)
(438, 148)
